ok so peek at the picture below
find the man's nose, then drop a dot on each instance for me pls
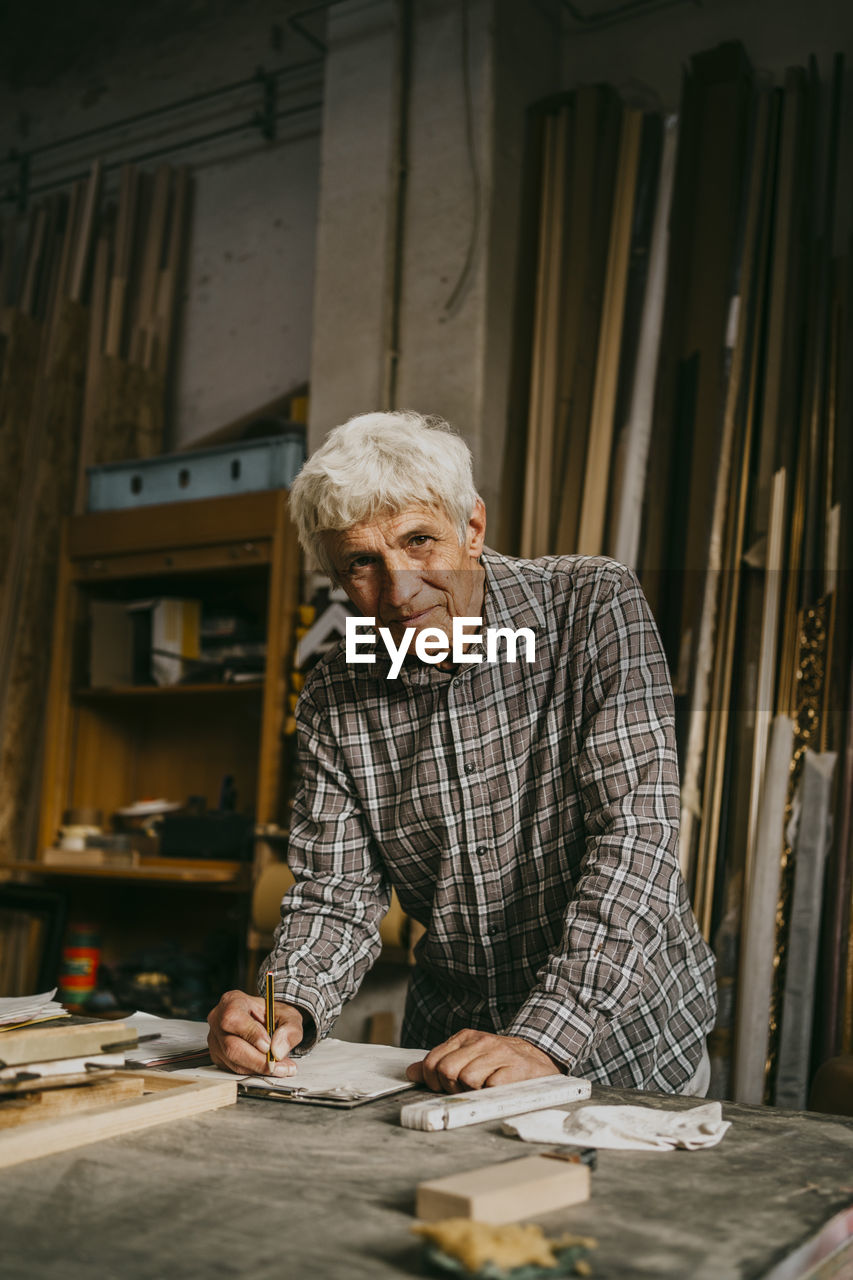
(400, 587)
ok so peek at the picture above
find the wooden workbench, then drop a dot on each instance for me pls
(284, 1192)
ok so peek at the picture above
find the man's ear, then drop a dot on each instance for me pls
(476, 529)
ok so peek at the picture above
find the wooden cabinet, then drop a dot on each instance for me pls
(107, 747)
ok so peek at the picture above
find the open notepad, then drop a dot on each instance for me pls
(338, 1074)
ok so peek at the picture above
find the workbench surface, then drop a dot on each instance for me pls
(293, 1192)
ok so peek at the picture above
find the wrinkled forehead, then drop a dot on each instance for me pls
(389, 527)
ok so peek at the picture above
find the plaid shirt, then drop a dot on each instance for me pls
(527, 815)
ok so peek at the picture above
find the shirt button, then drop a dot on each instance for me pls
(470, 767)
(481, 851)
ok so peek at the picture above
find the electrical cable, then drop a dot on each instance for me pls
(451, 305)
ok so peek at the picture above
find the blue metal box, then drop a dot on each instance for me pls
(246, 466)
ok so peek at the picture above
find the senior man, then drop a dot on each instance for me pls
(526, 812)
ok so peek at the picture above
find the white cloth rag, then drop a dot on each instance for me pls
(624, 1128)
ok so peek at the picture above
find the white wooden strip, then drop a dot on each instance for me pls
(765, 693)
(814, 802)
(626, 539)
(459, 1109)
(758, 939)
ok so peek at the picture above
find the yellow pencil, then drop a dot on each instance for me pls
(270, 1015)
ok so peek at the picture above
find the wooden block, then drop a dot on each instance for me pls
(504, 1192)
(46, 1044)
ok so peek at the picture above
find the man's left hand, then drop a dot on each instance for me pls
(480, 1060)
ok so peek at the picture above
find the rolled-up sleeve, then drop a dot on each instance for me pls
(328, 937)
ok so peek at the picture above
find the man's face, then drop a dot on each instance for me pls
(409, 570)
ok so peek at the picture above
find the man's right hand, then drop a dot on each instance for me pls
(238, 1039)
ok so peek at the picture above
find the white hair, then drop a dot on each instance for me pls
(379, 464)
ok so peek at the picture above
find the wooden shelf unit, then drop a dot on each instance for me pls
(107, 747)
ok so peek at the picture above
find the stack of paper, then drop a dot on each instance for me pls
(24, 1011)
(173, 1041)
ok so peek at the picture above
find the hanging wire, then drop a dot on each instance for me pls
(452, 302)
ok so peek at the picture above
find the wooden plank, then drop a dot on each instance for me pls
(638, 430)
(58, 713)
(544, 471)
(117, 303)
(757, 944)
(152, 255)
(171, 273)
(35, 246)
(46, 1104)
(777, 408)
(7, 258)
(97, 315)
(82, 248)
(734, 436)
(765, 699)
(46, 1044)
(637, 290)
(594, 505)
(595, 149)
(281, 623)
(715, 252)
(721, 731)
(165, 1099)
(534, 418)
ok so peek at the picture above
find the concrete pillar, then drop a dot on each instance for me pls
(475, 67)
(356, 214)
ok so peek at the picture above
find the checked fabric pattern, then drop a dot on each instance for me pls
(527, 815)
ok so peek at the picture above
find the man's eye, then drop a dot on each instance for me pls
(419, 540)
(363, 562)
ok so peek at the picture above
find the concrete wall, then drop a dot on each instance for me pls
(246, 329)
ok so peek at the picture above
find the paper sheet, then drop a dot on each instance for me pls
(21, 1011)
(337, 1068)
(334, 1069)
(177, 1038)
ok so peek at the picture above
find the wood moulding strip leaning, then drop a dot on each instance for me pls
(628, 514)
(596, 143)
(721, 727)
(755, 981)
(594, 505)
(727, 511)
(529, 527)
(766, 685)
